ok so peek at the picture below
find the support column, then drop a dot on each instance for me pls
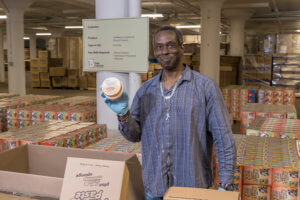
(210, 38)
(32, 46)
(15, 45)
(2, 67)
(134, 78)
(237, 18)
(115, 9)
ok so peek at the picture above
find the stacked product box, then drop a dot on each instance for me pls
(236, 96)
(54, 133)
(77, 100)
(252, 110)
(18, 102)
(238, 177)
(117, 143)
(273, 127)
(270, 168)
(23, 117)
(7, 95)
(276, 95)
(298, 147)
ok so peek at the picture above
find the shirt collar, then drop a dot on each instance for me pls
(186, 75)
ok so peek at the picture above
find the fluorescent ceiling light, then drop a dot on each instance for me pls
(154, 15)
(298, 30)
(43, 34)
(26, 38)
(3, 16)
(40, 28)
(189, 26)
(73, 27)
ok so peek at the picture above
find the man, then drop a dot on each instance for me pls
(178, 115)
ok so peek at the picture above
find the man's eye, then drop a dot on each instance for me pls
(158, 47)
(171, 46)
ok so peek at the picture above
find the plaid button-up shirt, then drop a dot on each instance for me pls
(178, 151)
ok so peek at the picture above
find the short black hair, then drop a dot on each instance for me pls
(169, 28)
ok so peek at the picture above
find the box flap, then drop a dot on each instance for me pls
(30, 184)
(51, 161)
(184, 193)
(16, 160)
(135, 184)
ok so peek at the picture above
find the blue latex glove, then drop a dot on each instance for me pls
(221, 189)
(119, 106)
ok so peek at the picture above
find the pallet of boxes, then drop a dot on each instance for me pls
(87, 81)
(40, 69)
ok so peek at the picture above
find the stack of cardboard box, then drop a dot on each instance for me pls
(19, 102)
(273, 127)
(252, 110)
(268, 168)
(54, 133)
(26, 116)
(39, 68)
(119, 144)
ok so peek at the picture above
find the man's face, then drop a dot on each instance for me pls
(166, 50)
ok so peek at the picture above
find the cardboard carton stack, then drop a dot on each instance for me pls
(298, 147)
(236, 96)
(23, 117)
(19, 102)
(54, 133)
(153, 70)
(76, 100)
(117, 143)
(273, 127)
(39, 68)
(252, 110)
(270, 168)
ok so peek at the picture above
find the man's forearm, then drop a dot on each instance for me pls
(129, 127)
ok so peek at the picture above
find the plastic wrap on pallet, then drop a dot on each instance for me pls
(257, 69)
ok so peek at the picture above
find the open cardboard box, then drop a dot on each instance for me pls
(184, 193)
(39, 170)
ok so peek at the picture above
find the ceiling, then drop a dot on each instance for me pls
(269, 15)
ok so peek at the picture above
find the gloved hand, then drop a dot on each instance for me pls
(119, 106)
(221, 189)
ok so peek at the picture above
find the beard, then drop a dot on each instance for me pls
(169, 62)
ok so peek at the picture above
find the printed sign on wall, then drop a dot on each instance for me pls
(117, 45)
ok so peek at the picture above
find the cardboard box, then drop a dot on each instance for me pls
(35, 83)
(44, 76)
(56, 62)
(83, 82)
(91, 82)
(57, 81)
(35, 75)
(64, 81)
(46, 83)
(39, 170)
(73, 73)
(4, 196)
(57, 71)
(34, 64)
(72, 82)
(182, 193)
(43, 54)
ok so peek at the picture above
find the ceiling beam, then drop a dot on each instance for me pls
(186, 5)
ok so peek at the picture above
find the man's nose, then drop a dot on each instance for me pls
(165, 49)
